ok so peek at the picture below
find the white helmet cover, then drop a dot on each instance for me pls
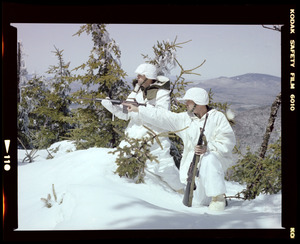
(149, 70)
(196, 94)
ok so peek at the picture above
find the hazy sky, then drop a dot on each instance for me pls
(229, 50)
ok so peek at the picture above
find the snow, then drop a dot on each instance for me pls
(94, 198)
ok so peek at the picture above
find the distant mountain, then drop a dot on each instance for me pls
(250, 77)
(244, 91)
(250, 127)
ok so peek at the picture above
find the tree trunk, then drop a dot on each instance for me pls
(18, 72)
(274, 108)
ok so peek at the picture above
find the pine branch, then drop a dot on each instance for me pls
(132, 159)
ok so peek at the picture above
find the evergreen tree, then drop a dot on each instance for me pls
(44, 108)
(103, 78)
(21, 69)
(261, 175)
(23, 120)
(56, 106)
(30, 123)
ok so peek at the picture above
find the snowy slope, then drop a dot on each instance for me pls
(93, 197)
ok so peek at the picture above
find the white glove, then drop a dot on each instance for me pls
(107, 104)
(114, 109)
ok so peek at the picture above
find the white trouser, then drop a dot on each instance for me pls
(211, 181)
(166, 167)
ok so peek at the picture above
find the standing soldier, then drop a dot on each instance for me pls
(216, 156)
(155, 92)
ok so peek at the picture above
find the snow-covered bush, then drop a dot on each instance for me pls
(132, 157)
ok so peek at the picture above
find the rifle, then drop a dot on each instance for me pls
(193, 171)
(117, 102)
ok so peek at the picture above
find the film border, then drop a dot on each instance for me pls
(189, 14)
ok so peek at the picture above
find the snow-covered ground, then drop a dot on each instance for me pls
(91, 197)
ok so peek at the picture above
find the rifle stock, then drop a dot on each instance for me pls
(191, 186)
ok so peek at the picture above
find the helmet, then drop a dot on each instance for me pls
(149, 70)
(197, 95)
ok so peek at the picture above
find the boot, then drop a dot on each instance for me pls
(217, 203)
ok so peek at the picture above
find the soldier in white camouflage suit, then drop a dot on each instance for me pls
(155, 92)
(216, 156)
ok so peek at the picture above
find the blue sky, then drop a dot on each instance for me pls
(229, 50)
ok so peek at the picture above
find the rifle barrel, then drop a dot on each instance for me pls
(113, 101)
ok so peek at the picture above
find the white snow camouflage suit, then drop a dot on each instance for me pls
(159, 98)
(214, 162)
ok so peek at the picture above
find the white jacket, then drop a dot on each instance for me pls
(218, 132)
(135, 128)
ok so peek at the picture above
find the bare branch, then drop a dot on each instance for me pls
(275, 27)
(177, 44)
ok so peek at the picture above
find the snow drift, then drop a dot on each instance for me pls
(91, 197)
